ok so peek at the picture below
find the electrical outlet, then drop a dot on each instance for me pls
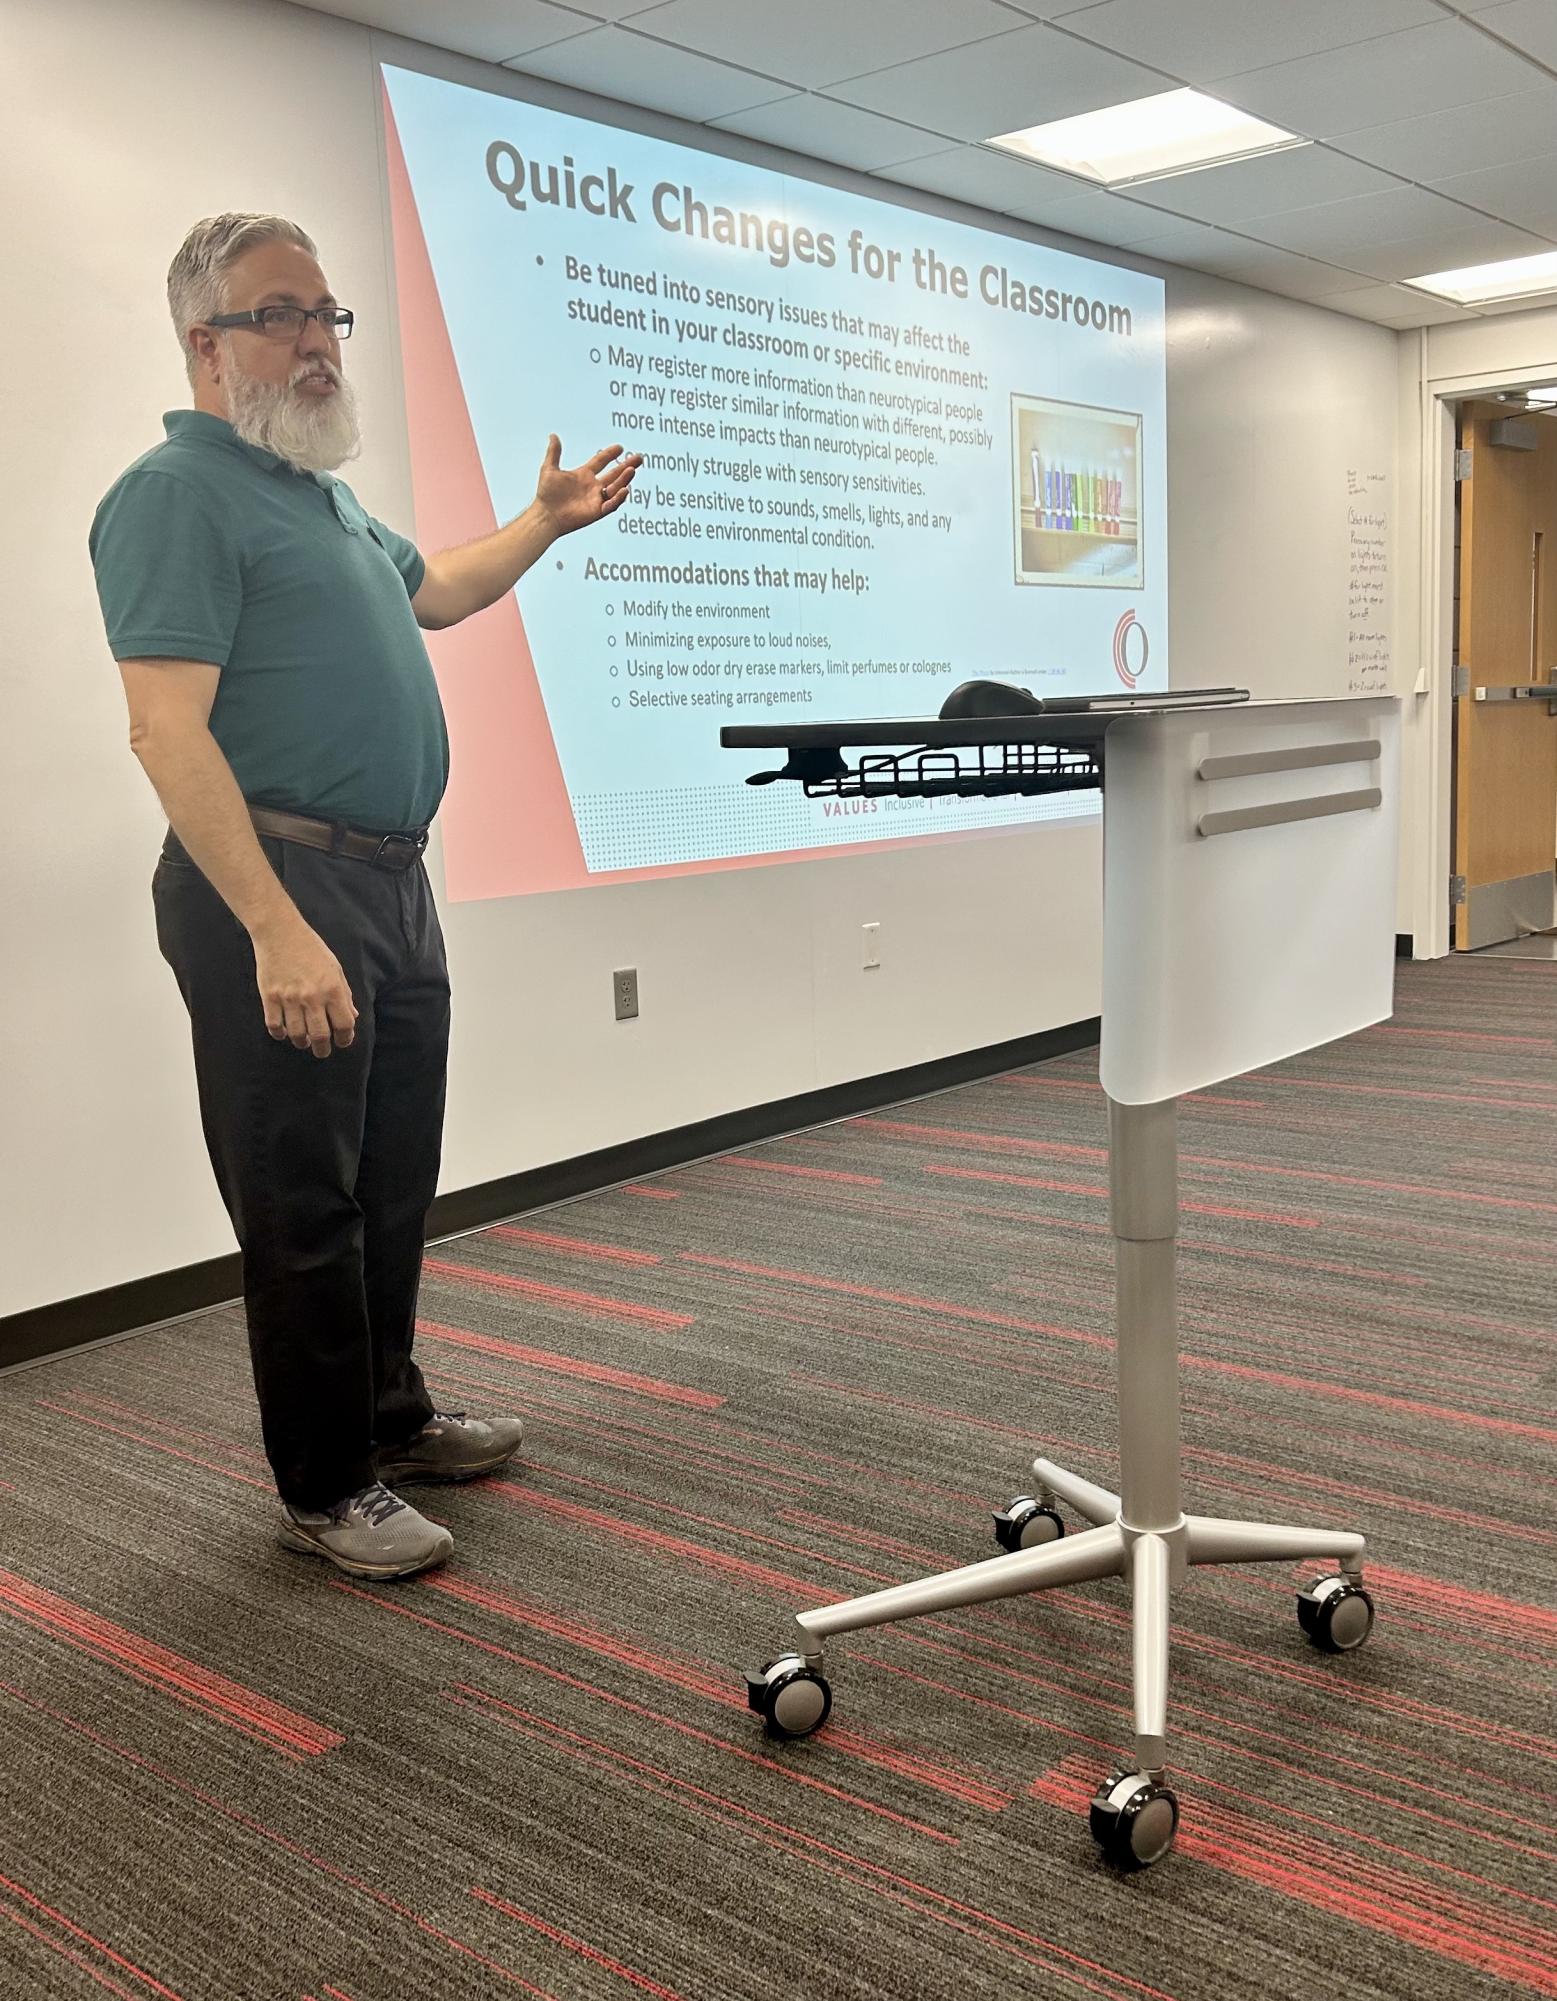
(870, 946)
(624, 992)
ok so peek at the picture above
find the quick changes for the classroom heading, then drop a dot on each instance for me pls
(677, 210)
(674, 208)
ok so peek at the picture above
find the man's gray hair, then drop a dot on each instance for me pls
(197, 277)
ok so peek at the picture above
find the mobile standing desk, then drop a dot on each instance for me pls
(1249, 876)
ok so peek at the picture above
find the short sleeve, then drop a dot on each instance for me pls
(405, 556)
(169, 573)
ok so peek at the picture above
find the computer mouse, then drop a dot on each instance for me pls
(989, 698)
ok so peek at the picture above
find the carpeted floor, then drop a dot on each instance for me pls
(777, 1378)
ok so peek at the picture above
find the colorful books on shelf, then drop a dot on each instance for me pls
(1076, 500)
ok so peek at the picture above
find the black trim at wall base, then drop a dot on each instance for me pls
(1405, 944)
(146, 1302)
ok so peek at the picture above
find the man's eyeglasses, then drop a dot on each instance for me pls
(287, 322)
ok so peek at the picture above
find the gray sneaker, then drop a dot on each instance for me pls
(451, 1446)
(370, 1534)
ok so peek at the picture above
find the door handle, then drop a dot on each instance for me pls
(1517, 691)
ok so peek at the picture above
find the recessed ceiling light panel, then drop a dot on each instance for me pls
(1475, 284)
(1148, 139)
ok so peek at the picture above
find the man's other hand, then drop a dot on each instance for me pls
(304, 991)
(589, 492)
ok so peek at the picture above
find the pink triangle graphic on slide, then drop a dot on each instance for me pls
(507, 822)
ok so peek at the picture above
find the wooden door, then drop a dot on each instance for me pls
(1505, 735)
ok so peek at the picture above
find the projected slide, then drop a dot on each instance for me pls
(884, 453)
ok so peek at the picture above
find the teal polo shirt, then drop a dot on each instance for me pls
(209, 549)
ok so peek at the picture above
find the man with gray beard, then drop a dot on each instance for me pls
(282, 703)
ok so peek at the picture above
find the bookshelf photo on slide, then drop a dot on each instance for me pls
(1076, 494)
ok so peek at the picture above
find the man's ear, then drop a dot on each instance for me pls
(205, 350)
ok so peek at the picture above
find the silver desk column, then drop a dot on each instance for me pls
(1143, 1190)
(1144, 1203)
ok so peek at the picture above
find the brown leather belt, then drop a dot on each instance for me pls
(392, 851)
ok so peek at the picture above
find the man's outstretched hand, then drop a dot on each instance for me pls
(589, 492)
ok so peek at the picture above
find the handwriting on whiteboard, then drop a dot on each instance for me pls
(1367, 583)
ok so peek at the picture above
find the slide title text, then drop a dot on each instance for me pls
(676, 209)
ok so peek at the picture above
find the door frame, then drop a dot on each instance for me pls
(1429, 786)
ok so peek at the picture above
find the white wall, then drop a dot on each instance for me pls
(1521, 343)
(118, 128)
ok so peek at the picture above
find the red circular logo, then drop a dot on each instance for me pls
(1128, 670)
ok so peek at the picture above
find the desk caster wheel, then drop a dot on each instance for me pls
(1336, 1613)
(1133, 1820)
(1026, 1524)
(792, 1699)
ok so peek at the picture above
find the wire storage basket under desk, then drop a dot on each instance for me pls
(970, 771)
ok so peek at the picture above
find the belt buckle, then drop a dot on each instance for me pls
(407, 846)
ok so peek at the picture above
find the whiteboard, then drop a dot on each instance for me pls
(1281, 491)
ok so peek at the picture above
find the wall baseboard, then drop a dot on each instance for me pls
(148, 1302)
(1405, 944)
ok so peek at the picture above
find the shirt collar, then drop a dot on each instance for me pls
(201, 424)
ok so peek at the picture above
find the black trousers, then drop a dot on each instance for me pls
(327, 1166)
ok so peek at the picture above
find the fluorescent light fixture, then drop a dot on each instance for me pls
(1513, 278)
(1546, 397)
(1148, 139)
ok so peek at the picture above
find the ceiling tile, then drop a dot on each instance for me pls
(830, 131)
(1002, 85)
(469, 27)
(1175, 242)
(1053, 10)
(1375, 301)
(1212, 38)
(1524, 192)
(618, 63)
(1301, 177)
(613, 10)
(1191, 245)
(1096, 215)
(1461, 141)
(1418, 70)
(975, 174)
(1474, 122)
(1394, 305)
(1354, 225)
(1424, 315)
(1277, 270)
(1529, 24)
(815, 42)
(1446, 250)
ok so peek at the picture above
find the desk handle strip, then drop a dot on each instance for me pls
(1242, 818)
(1247, 763)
